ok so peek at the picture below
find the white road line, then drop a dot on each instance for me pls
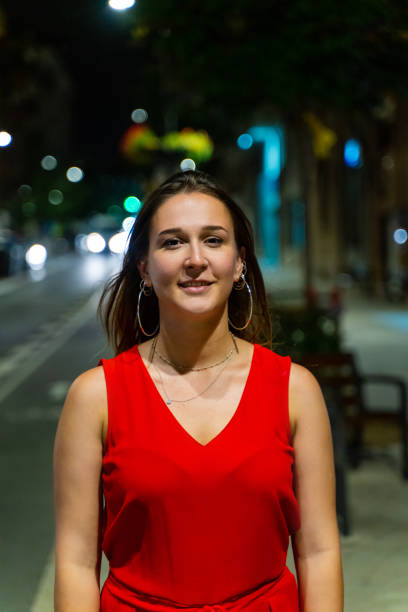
(48, 348)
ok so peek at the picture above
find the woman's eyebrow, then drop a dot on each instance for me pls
(175, 230)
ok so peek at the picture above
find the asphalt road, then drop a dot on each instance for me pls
(49, 334)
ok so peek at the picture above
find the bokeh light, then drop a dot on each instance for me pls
(75, 174)
(139, 115)
(55, 197)
(36, 256)
(49, 162)
(387, 162)
(121, 5)
(5, 139)
(400, 236)
(25, 191)
(352, 153)
(118, 242)
(128, 223)
(132, 204)
(80, 243)
(95, 243)
(245, 141)
(187, 164)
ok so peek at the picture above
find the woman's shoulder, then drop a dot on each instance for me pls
(306, 401)
(87, 394)
(85, 405)
(89, 383)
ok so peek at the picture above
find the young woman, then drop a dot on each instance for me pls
(209, 449)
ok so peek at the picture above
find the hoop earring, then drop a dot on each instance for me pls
(243, 283)
(146, 291)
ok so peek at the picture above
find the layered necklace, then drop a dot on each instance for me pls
(181, 367)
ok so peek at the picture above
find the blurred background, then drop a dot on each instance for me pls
(300, 109)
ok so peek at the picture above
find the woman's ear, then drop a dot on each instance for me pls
(143, 270)
(240, 263)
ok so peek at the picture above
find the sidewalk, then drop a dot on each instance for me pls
(375, 555)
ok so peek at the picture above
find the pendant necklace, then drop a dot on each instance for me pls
(171, 400)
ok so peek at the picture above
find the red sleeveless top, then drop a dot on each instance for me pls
(197, 526)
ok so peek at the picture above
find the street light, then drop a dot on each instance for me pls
(74, 174)
(5, 139)
(121, 5)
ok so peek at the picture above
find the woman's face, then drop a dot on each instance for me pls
(193, 258)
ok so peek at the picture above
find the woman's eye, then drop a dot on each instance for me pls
(171, 242)
(214, 240)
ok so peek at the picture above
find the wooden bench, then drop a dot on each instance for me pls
(350, 416)
(339, 373)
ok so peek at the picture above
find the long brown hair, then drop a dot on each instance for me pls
(118, 304)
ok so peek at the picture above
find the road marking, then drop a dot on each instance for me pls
(27, 358)
(58, 390)
(32, 414)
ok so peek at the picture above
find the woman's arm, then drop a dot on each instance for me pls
(78, 496)
(316, 546)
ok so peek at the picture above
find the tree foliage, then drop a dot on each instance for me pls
(292, 55)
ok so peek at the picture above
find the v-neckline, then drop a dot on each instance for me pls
(179, 426)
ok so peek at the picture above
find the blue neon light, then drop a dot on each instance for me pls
(352, 153)
(245, 141)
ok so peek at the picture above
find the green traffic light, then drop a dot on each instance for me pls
(132, 204)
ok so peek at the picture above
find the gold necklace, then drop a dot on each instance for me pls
(178, 366)
(170, 400)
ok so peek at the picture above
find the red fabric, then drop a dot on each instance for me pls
(189, 525)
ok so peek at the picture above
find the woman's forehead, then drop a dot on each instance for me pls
(191, 210)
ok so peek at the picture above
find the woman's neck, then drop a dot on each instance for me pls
(196, 345)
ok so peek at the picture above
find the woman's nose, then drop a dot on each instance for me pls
(196, 256)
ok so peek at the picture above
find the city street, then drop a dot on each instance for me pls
(50, 334)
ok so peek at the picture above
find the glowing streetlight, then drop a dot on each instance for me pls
(36, 256)
(5, 139)
(75, 174)
(121, 5)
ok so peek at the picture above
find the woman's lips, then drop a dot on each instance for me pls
(195, 289)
